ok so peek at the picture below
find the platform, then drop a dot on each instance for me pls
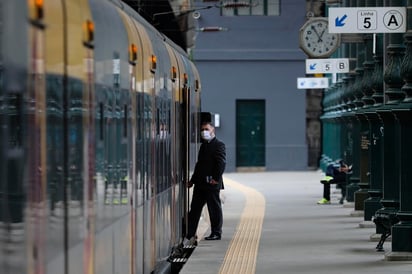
(272, 224)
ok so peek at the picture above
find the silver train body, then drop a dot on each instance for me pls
(99, 118)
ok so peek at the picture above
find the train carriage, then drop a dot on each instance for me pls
(99, 118)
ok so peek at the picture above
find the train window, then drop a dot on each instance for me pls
(164, 81)
(15, 102)
(125, 121)
(139, 115)
(194, 127)
(158, 121)
(116, 69)
(169, 120)
(101, 122)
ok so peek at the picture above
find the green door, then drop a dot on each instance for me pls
(250, 133)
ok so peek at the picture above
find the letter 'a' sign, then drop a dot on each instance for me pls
(367, 20)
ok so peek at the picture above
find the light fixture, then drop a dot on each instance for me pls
(173, 73)
(88, 33)
(132, 54)
(153, 61)
(233, 5)
(38, 9)
(212, 29)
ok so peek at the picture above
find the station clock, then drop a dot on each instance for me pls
(315, 39)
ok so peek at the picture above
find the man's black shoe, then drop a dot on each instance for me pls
(213, 237)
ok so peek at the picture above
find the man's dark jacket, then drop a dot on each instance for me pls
(211, 162)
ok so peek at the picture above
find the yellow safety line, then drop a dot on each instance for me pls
(242, 252)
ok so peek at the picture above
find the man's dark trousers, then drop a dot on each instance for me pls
(199, 199)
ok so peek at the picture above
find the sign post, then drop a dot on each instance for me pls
(367, 20)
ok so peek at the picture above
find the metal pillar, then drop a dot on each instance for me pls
(355, 93)
(372, 204)
(365, 139)
(386, 216)
(402, 232)
(364, 143)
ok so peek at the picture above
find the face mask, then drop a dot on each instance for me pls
(206, 135)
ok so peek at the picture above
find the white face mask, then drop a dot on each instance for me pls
(206, 135)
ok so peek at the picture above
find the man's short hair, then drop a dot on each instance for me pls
(207, 123)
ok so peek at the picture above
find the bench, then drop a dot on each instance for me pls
(327, 181)
(384, 220)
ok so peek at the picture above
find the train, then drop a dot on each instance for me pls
(99, 131)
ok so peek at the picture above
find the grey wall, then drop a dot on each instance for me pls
(257, 58)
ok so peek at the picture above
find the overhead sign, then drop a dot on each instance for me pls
(313, 82)
(331, 65)
(367, 20)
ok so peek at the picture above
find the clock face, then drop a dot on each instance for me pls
(315, 39)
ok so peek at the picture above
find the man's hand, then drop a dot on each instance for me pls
(213, 182)
(189, 184)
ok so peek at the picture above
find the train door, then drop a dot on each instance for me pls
(161, 168)
(14, 57)
(115, 218)
(176, 129)
(142, 71)
(136, 174)
(78, 131)
(134, 138)
(146, 244)
(70, 134)
(185, 95)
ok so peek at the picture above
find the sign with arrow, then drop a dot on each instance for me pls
(331, 65)
(313, 82)
(367, 20)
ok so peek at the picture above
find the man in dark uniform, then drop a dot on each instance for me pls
(207, 180)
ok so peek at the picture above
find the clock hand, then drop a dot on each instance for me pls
(317, 34)
(321, 35)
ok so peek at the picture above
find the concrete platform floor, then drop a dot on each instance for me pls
(296, 235)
